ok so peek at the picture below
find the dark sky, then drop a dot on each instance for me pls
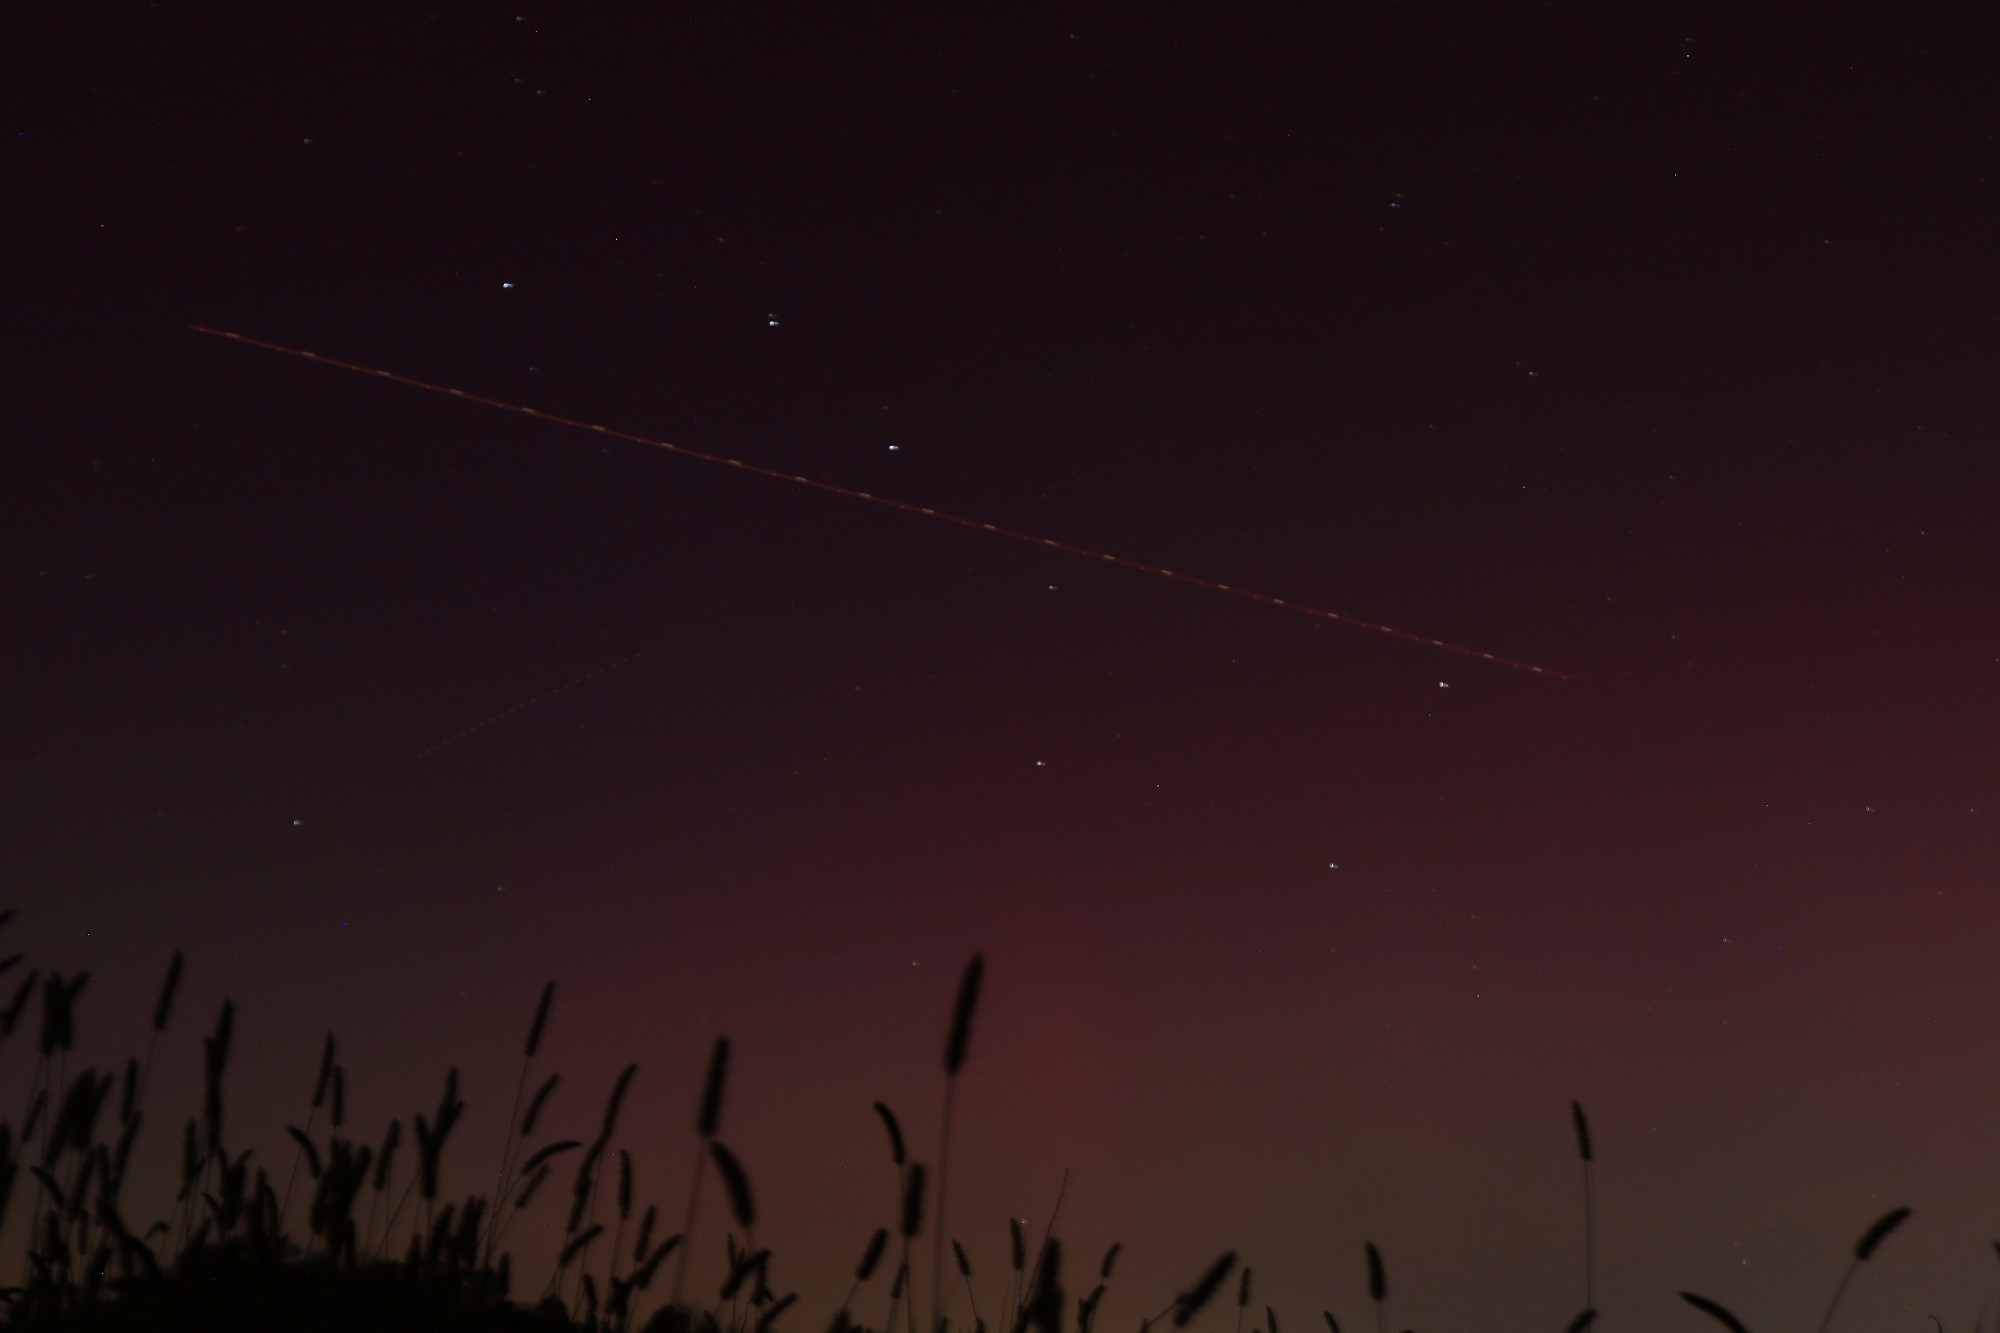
(1656, 352)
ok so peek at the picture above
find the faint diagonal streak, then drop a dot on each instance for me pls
(848, 492)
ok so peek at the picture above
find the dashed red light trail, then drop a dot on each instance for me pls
(848, 492)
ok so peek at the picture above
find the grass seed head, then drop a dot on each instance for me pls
(325, 1073)
(387, 1155)
(617, 1102)
(1044, 1309)
(741, 1204)
(163, 1007)
(529, 1190)
(913, 1199)
(1876, 1234)
(896, 1153)
(961, 1015)
(535, 1104)
(710, 1117)
(1086, 1309)
(1715, 1312)
(225, 1031)
(541, 1018)
(549, 1151)
(578, 1241)
(644, 1277)
(646, 1224)
(745, 1267)
(16, 1006)
(1190, 1302)
(872, 1255)
(305, 1143)
(777, 1307)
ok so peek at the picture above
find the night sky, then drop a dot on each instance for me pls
(1656, 353)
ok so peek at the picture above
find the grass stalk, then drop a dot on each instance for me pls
(1864, 1249)
(1062, 1191)
(957, 1039)
(965, 1272)
(511, 1141)
(912, 1226)
(1017, 1242)
(1190, 1302)
(708, 1120)
(864, 1270)
(1583, 1151)
(163, 1009)
(1378, 1283)
(318, 1099)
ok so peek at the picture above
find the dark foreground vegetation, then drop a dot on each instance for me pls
(353, 1234)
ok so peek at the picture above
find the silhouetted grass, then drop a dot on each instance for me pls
(957, 1040)
(1378, 1283)
(1583, 1151)
(1863, 1250)
(517, 1132)
(226, 1256)
(708, 1119)
(1189, 1303)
